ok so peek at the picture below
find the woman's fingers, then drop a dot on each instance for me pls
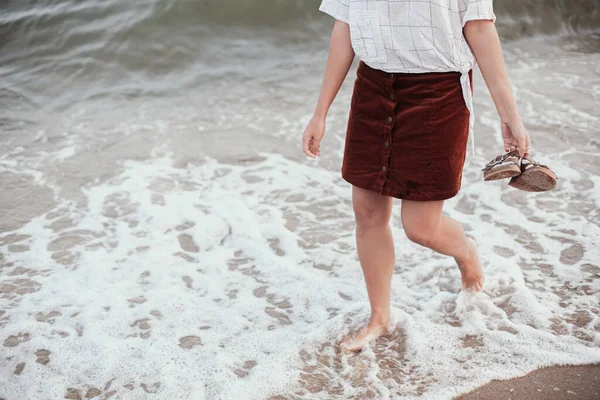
(311, 147)
(306, 146)
(528, 146)
(522, 146)
(508, 138)
(524, 143)
(510, 146)
(316, 147)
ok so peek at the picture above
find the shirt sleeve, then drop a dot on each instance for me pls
(338, 9)
(477, 9)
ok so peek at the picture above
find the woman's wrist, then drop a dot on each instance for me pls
(504, 100)
(510, 119)
(508, 110)
(320, 115)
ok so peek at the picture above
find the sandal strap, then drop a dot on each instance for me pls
(532, 163)
(501, 159)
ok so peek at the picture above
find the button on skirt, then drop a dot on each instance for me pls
(407, 134)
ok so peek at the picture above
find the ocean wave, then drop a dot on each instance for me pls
(111, 46)
(524, 17)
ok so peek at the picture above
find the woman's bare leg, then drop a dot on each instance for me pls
(375, 248)
(425, 224)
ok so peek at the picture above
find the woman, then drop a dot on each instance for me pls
(411, 115)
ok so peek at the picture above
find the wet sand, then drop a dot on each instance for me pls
(556, 383)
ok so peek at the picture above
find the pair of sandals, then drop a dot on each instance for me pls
(524, 172)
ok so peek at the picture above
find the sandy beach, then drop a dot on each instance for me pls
(556, 383)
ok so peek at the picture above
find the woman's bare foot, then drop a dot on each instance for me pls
(365, 335)
(471, 270)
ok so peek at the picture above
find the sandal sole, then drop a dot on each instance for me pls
(534, 180)
(503, 172)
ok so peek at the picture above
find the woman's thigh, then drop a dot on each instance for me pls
(370, 207)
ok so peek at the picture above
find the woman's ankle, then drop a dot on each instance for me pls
(379, 319)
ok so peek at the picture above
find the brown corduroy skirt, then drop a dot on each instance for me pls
(407, 134)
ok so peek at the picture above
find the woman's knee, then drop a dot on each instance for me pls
(419, 234)
(421, 222)
(369, 216)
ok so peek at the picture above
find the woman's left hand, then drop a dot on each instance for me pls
(516, 137)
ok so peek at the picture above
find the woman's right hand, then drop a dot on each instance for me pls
(516, 137)
(311, 138)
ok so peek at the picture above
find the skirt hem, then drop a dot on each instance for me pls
(400, 194)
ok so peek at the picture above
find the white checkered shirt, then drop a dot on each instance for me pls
(413, 36)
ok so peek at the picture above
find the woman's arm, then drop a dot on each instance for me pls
(339, 61)
(485, 44)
